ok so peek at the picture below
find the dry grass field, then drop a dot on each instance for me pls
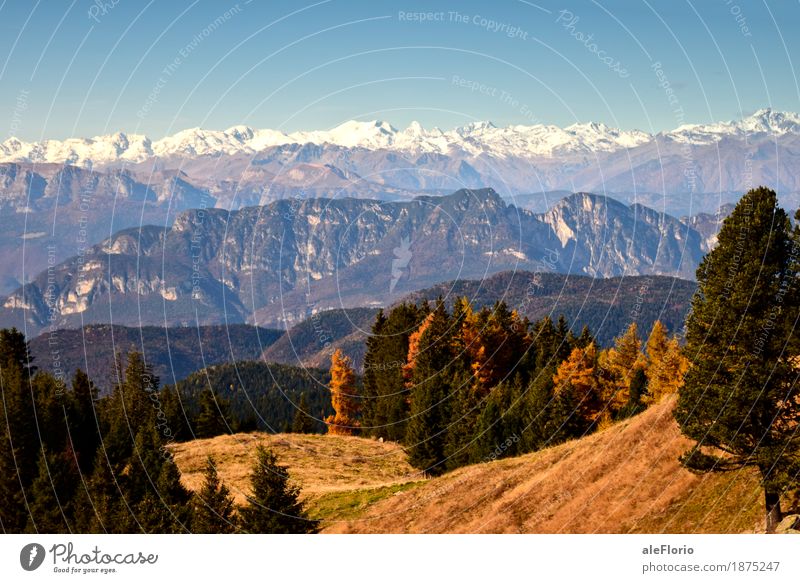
(332, 471)
(624, 479)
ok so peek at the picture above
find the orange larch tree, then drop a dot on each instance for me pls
(344, 397)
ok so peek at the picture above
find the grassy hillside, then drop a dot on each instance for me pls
(338, 475)
(624, 479)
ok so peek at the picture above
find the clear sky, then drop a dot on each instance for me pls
(85, 68)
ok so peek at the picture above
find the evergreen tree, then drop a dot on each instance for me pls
(153, 488)
(499, 424)
(19, 441)
(82, 419)
(584, 340)
(303, 421)
(132, 405)
(344, 397)
(545, 343)
(462, 427)
(386, 397)
(430, 380)
(51, 493)
(175, 424)
(212, 418)
(15, 351)
(214, 506)
(371, 414)
(273, 504)
(547, 418)
(636, 395)
(105, 509)
(740, 401)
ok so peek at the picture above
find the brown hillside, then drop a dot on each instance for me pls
(624, 479)
(319, 464)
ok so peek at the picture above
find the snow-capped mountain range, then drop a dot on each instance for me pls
(472, 140)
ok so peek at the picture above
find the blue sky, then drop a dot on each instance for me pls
(86, 68)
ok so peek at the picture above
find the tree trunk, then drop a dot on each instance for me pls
(773, 507)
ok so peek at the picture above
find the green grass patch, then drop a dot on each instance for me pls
(349, 504)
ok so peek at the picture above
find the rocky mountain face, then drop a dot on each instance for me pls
(278, 264)
(709, 224)
(59, 197)
(49, 212)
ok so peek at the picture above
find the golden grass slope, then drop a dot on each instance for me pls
(624, 479)
(319, 464)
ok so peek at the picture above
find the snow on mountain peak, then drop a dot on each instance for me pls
(763, 121)
(473, 139)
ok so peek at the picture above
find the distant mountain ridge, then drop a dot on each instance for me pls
(474, 139)
(174, 353)
(276, 265)
(134, 180)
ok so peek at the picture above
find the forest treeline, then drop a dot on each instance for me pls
(463, 386)
(73, 462)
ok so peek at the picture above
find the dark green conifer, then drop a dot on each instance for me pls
(431, 382)
(212, 418)
(273, 503)
(303, 421)
(213, 505)
(740, 398)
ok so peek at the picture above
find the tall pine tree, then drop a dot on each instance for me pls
(273, 503)
(214, 509)
(740, 398)
(430, 380)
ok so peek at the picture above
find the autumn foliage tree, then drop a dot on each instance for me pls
(578, 375)
(620, 366)
(665, 370)
(344, 397)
